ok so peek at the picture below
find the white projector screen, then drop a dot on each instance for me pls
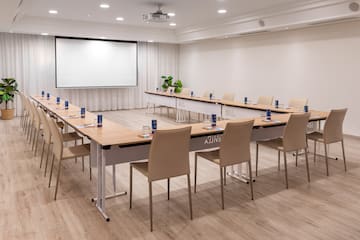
(86, 63)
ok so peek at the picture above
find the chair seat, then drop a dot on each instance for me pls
(213, 156)
(316, 136)
(71, 136)
(77, 151)
(142, 167)
(276, 143)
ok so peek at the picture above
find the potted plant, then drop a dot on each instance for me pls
(168, 82)
(8, 89)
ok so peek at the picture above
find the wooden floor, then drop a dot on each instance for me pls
(327, 208)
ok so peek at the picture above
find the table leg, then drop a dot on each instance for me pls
(239, 174)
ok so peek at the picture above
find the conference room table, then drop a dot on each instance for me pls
(204, 105)
(114, 144)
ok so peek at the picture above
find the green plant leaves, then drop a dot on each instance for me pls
(168, 82)
(8, 88)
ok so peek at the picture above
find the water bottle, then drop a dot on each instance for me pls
(153, 126)
(99, 120)
(268, 115)
(43, 94)
(245, 100)
(57, 100)
(277, 103)
(82, 112)
(48, 96)
(213, 120)
(192, 93)
(306, 108)
(210, 96)
(66, 104)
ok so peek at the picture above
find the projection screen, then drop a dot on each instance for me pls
(90, 63)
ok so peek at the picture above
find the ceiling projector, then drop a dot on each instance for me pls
(158, 17)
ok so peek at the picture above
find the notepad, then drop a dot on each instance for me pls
(89, 125)
(213, 128)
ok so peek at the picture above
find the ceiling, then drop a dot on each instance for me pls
(188, 12)
(195, 19)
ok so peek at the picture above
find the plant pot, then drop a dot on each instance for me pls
(7, 114)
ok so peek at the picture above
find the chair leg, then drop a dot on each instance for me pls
(47, 158)
(251, 181)
(307, 164)
(314, 150)
(82, 158)
(222, 188)
(296, 157)
(286, 174)
(326, 160)
(278, 160)
(190, 200)
(150, 206)
(37, 140)
(42, 153)
(257, 159)
(343, 152)
(130, 188)
(195, 172)
(225, 176)
(168, 188)
(51, 169)
(57, 179)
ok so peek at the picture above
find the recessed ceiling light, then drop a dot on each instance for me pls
(104, 5)
(44, 34)
(53, 11)
(222, 11)
(172, 24)
(119, 19)
(171, 14)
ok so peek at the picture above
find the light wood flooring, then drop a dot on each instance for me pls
(327, 208)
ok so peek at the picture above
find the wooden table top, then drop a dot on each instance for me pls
(112, 133)
(252, 106)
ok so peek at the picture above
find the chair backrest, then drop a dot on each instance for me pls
(28, 108)
(56, 138)
(265, 100)
(169, 153)
(294, 137)
(206, 94)
(185, 92)
(37, 121)
(45, 124)
(228, 97)
(235, 143)
(169, 89)
(333, 128)
(298, 103)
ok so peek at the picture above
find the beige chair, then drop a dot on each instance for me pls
(67, 137)
(228, 97)
(168, 157)
(333, 133)
(185, 92)
(298, 103)
(234, 149)
(293, 140)
(265, 100)
(61, 153)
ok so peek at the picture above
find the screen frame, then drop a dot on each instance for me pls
(96, 39)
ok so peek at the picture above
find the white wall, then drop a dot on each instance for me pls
(321, 63)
